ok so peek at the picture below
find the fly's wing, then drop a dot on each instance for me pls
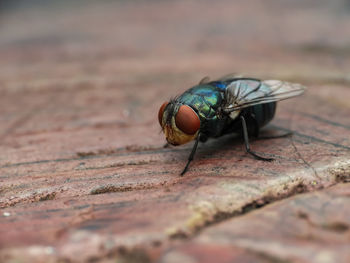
(243, 93)
(224, 78)
(204, 80)
(230, 76)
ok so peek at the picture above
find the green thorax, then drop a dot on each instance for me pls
(204, 99)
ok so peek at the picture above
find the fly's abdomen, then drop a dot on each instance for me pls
(263, 113)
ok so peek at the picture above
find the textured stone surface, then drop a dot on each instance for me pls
(83, 174)
(312, 227)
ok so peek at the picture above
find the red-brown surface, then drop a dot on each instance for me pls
(305, 228)
(83, 172)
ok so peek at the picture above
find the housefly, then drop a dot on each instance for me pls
(227, 105)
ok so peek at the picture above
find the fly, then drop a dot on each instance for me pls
(227, 105)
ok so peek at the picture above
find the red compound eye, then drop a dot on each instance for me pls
(161, 111)
(187, 120)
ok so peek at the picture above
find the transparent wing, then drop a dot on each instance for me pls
(230, 77)
(224, 78)
(204, 80)
(243, 93)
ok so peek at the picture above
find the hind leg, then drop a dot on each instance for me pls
(257, 131)
(285, 135)
(246, 143)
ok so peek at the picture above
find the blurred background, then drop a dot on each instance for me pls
(69, 65)
(169, 33)
(76, 64)
(83, 171)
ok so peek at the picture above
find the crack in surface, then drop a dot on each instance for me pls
(304, 161)
(336, 226)
(157, 150)
(220, 216)
(31, 198)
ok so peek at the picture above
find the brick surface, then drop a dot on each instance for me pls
(83, 172)
(311, 227)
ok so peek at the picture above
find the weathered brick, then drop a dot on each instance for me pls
(83, 172)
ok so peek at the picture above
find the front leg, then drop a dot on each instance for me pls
(246, 142)
(190, 158)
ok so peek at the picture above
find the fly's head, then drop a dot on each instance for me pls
(179, 122)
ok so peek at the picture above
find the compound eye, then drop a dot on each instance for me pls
(161, 112)
(187, 120)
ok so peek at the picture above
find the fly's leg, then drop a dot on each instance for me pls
(257, 131)
(190, 158)
(256, 126)
(246, 142)
(288, 134)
